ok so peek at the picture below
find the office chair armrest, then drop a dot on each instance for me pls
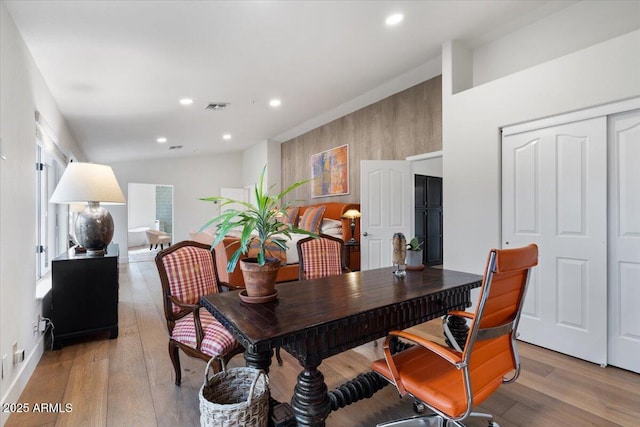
(447, 331)
(392, 365)
(451, 356)
(461, 314)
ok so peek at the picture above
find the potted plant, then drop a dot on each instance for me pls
(260, 226)
(414, 253)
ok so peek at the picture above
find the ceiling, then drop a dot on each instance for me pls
(118, 69)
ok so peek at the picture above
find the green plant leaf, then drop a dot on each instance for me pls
(261, 218)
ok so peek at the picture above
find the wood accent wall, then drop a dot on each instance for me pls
(402, 125)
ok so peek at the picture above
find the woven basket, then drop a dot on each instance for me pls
(234, 397)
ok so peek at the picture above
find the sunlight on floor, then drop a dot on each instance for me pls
(142, 253)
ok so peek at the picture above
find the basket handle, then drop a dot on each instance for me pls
(206, 371)
(253, 385)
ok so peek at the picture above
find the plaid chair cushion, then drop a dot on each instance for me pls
(321, 258)
(217, 339)
(190, 273)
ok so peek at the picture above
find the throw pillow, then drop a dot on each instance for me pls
(330, 226)
(311, 219)
(291, 217)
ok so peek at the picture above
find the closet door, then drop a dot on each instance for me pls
(428, 217)
(624, 240)
(554, 194)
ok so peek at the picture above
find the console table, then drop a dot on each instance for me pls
(84, 294)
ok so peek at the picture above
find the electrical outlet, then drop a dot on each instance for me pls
(18, 356)
(40, 325)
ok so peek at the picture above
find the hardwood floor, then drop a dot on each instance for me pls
(129, 381)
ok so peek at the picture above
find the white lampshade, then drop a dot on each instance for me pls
(88, 182)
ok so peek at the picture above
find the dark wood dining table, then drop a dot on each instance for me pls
(316, 319)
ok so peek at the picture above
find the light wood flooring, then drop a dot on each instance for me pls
(129, 381)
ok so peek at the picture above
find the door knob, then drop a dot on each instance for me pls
(365, 234)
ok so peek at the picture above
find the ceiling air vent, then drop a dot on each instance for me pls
(217, 106)
(175, 147)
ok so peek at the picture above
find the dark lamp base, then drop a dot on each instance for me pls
(96, 252)
(94, 229)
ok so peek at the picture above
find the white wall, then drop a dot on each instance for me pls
(254, 159)
(428, 167)
(22, 91)
(191, 177)
(141, 205)
(599, 74)
(576, 27)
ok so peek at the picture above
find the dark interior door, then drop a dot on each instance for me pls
(428, 215)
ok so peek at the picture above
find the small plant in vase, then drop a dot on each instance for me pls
(260, 226)
(414, 254)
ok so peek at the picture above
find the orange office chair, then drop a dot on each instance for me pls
(187, 272)
(451, 382)
(320, 257)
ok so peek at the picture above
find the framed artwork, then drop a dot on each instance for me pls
(330, 172)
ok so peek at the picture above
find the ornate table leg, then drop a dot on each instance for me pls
(310, 400)
(459, 330)
(261, 360)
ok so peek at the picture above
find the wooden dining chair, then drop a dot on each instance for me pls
(449, 381)
(320, 257)
(187, 272)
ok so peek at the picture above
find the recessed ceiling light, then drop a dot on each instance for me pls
(394, 19)
(186, 101)
(226, 136)
(162, 140)
(275, 102)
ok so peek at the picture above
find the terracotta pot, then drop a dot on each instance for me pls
(260, 280)
(414, 258)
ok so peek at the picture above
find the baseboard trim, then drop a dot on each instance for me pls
(22, 378)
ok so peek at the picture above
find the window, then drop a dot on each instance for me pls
(51, 219)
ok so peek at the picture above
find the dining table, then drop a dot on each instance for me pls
(316, 319)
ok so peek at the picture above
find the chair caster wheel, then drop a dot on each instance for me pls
(418, 407)
(493, 424)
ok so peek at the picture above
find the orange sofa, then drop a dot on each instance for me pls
(287, 272)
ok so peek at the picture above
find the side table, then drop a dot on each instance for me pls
(353, 261)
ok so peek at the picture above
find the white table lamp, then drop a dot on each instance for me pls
(92, 184)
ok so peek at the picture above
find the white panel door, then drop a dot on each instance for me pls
(386, 202)
(624, 240)
(554, 183)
